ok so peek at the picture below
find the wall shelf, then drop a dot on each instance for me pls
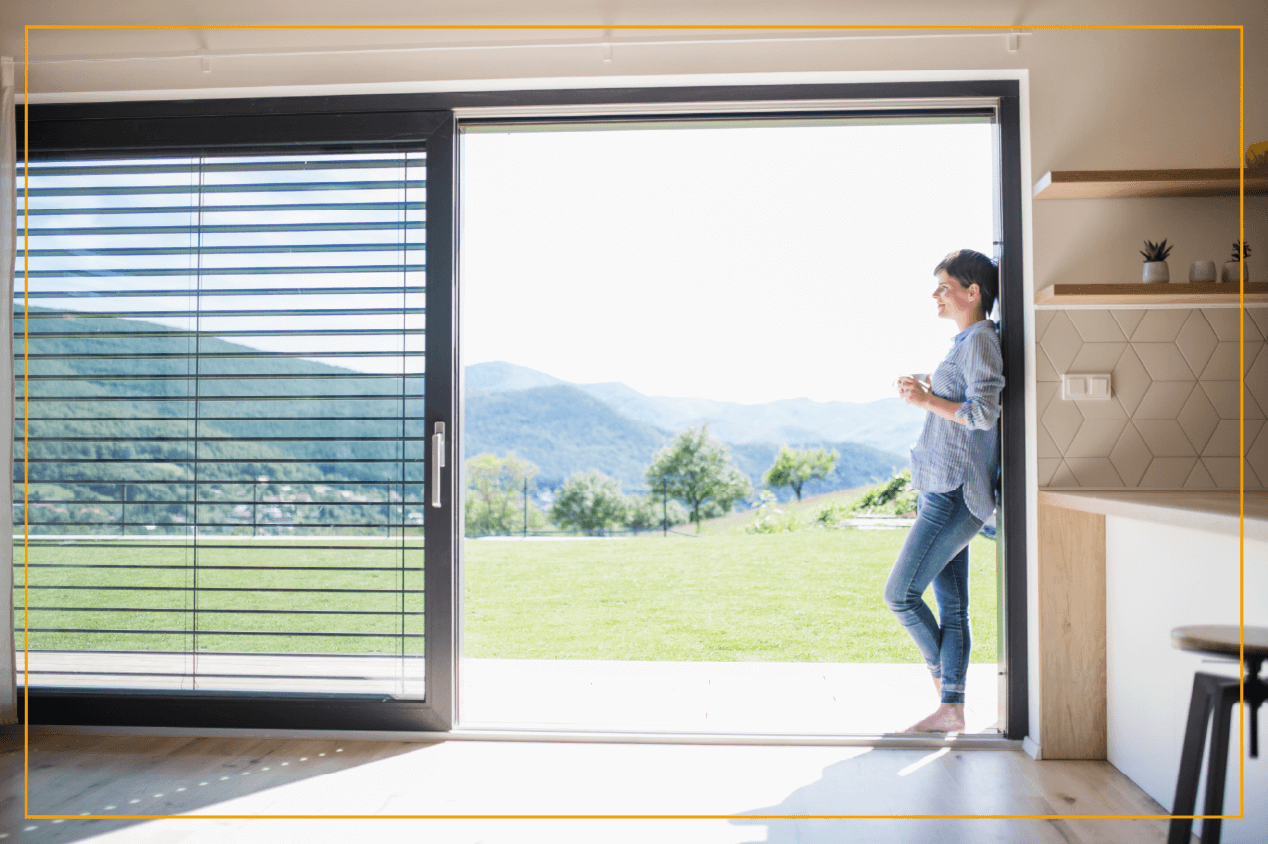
(1116, 184)
(1212, 294)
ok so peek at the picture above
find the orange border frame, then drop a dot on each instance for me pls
(1242, 478)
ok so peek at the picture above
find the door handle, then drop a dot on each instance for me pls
(437, 461)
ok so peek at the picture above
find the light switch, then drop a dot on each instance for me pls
(1085, 387)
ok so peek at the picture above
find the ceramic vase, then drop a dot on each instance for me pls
(1203, 271)
(1156, 272)
(1232, 271)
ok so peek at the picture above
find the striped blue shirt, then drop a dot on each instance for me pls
(949, 454)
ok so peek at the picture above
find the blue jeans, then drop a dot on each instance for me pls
(937, 550)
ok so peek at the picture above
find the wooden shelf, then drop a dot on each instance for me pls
(1114, 184)
(1212, 294)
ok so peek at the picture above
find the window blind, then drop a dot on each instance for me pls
(220, 376)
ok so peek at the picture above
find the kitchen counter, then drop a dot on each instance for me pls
(1117, 571)
(1214, 511)
(1100, 554)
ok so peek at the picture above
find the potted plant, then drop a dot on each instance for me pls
(1241, 258)
(1156, 270)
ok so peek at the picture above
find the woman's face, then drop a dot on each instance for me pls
(954, 302)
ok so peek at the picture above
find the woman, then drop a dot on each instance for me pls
(953, 465)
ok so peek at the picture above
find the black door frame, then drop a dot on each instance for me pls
(244, 127)
(155, 127)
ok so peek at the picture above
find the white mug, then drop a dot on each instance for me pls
(919, 376)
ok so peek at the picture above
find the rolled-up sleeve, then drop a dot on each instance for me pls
(984, 379)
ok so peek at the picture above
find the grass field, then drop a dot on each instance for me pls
(808, 596)
(811, 595)
(253, 597)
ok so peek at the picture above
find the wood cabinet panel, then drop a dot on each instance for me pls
(1072, 680)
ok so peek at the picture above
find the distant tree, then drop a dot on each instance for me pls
(697, 470)
(589, 501)
(651, 511)
(794, 466)
(495, 489)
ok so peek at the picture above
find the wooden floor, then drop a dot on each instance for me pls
(74, 775)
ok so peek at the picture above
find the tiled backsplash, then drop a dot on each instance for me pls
(1172, 420)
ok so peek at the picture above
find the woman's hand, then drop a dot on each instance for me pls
(919, 394)
(914, 391)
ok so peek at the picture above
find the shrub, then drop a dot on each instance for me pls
(646, 512)
(832, 514)
(893, 497)
(771, 519)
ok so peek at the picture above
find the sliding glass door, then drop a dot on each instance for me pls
(222, 456)
(223, 380)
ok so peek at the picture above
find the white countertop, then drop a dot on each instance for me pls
(1203, 510)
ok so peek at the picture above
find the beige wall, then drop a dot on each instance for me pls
(1092, 99)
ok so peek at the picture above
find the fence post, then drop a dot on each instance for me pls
(526, 507)
(255, 495)
(123, 509)
(664, 489)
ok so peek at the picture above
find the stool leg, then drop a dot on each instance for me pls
(1255, 695)
(1254, 730)
(1191, 761)
(1224, 697)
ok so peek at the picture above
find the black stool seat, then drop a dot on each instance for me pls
(1214, 696)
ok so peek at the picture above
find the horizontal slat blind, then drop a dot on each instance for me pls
(224, 400)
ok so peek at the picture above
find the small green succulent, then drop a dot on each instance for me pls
(1240, 250)
(1155, 251)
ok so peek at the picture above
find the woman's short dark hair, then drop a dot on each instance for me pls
(969, 268)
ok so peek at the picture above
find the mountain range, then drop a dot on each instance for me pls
(564, 428)
(885, 424)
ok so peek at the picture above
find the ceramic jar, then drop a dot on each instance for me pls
(1232, 271)
(1156, 272)
(1203, 271)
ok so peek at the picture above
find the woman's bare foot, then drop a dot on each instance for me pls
(947, 718)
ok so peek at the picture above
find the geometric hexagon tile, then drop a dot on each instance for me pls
(1172, 422)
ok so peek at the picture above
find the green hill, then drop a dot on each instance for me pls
(562, 430)
(113, 409)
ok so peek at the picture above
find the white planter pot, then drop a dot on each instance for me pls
(1156, 272)
(1232, 271)
(1203, 271)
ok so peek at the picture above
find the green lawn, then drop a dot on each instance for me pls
(809, 596)
(148, 590)
(812, 595)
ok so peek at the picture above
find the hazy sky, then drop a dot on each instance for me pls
(743, 264)
(734, 262)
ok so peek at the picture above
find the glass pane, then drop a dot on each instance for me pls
(224, 356)
(750, 286)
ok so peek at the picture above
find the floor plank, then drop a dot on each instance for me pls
(73, 774)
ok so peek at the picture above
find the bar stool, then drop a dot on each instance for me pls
(1214, 694)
